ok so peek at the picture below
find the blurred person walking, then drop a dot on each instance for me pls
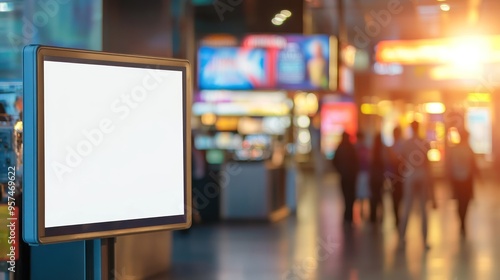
(377, 177)
(346, 163)
(462, 171)
(394, 166)
(363, 179)
(416, 181)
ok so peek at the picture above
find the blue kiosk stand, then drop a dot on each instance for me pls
(81, 260)
(102, 157)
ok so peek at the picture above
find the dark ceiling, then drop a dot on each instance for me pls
(418, 19)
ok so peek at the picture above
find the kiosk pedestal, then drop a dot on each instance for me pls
(257, 192)
(142, 256)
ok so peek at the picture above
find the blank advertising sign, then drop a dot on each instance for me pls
(106, 144)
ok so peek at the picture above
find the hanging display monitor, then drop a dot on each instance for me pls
(269, 62)
(106, 144)
(232, 68)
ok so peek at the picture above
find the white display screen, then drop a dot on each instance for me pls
(113, 143)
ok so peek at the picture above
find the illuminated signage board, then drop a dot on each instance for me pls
(232, 68)
(294, 62)
(337, 117)
(460, 51)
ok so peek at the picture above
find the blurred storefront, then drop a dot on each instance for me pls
(447, 84)
(258, 96)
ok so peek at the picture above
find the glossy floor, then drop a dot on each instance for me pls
(314, 244)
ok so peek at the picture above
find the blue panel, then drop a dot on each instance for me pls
(29, 144)
(93, 259)
(58, 261)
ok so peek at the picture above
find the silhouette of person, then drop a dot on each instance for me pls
(416, 183)
(394, 167)
(363, 180)
(346, 162)
(377, 176)
(462, 170)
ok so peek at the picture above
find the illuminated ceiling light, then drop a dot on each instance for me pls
(286, 13)
(434, 107)
(280, 17)
(444, 7)
(276, 21)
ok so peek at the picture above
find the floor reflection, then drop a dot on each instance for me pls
(314, 244)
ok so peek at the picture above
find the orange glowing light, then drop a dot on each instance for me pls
(464, 52)
(479, 97)
(453, 135)
(434, 155)
(226, 123)
(450, 72)
(434, 108)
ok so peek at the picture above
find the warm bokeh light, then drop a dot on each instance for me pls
(305, 103)
(384, 107)
(452, 72)
(349, 55)
(469, 55)
(208, 119)
(444, 7)
(409, 117)
(248, 125)
(369, 109)
(434, 108)
(464, 52)
(419, 117)
(434, 155)
(312, 103)
(453, 135)
(482, 97)
(226, 123)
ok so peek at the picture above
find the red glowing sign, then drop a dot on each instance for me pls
(335, 119)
